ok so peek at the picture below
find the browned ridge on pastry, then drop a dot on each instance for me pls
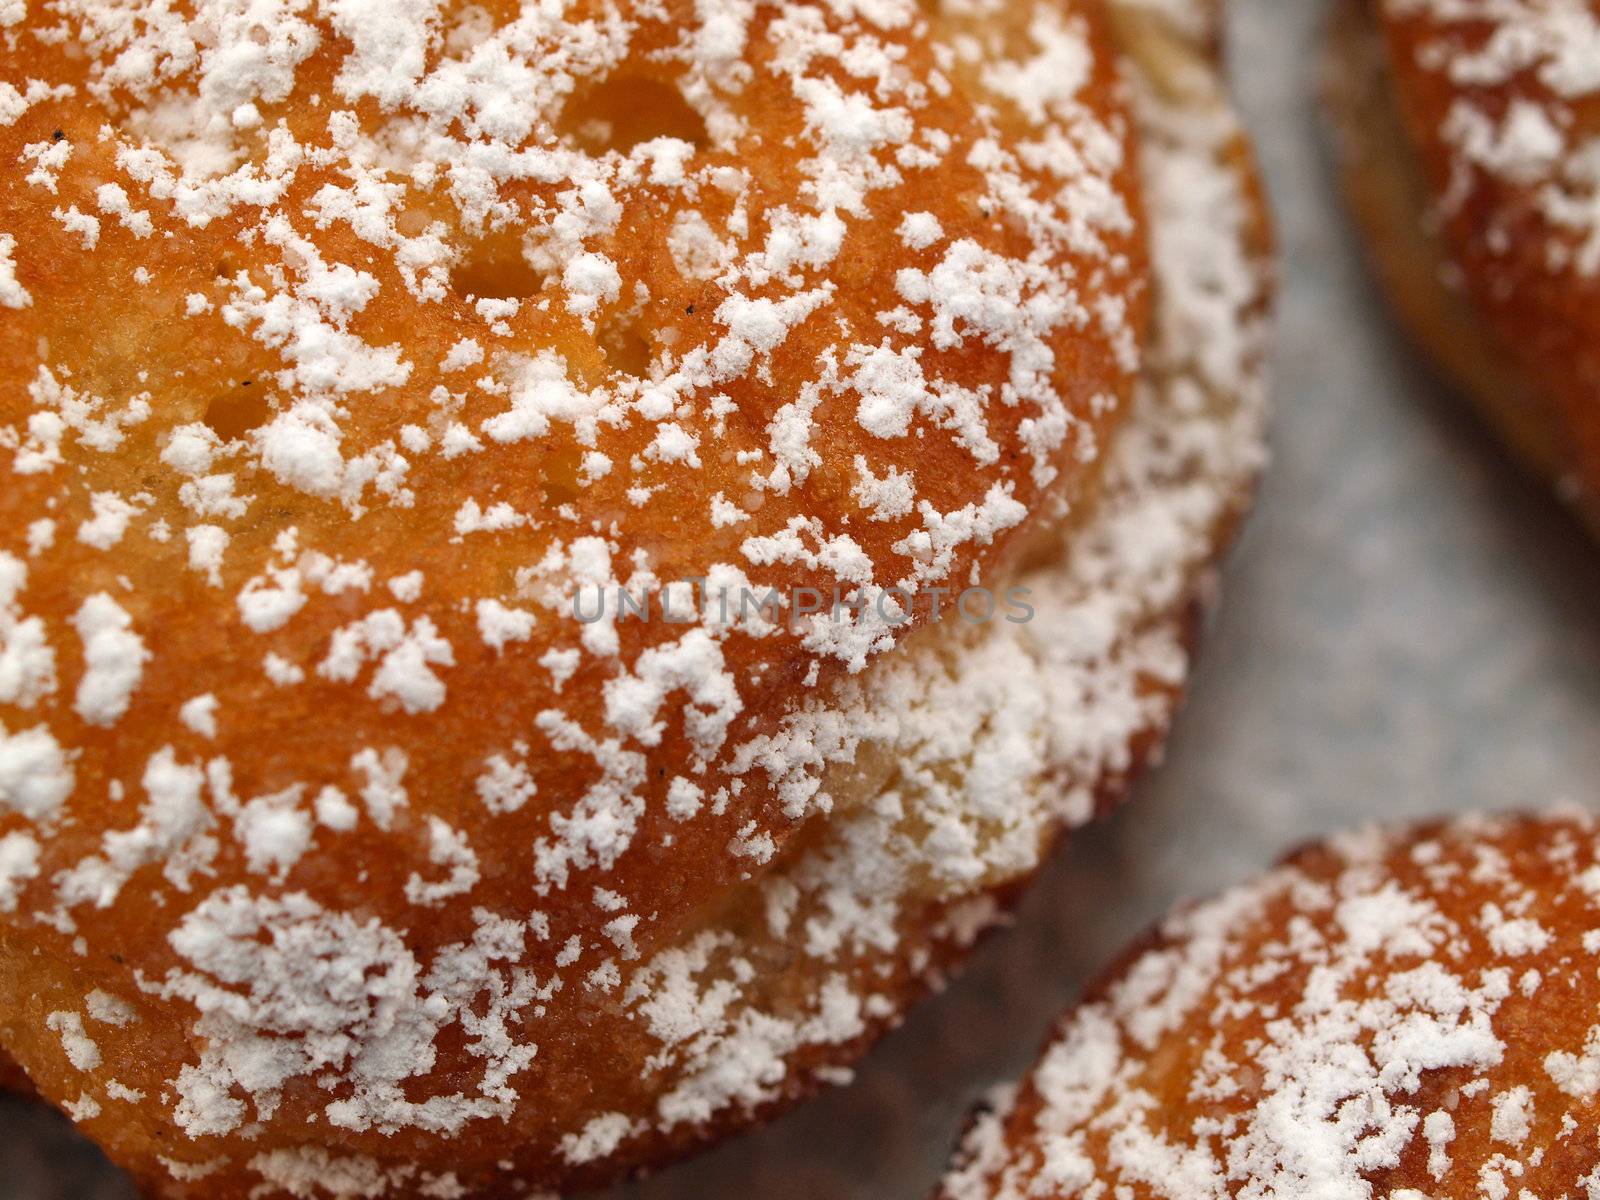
(1402, 1014)
(1470, 137)
(353, 840)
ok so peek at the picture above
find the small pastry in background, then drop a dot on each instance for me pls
(1469, 145)
(1404, 1014)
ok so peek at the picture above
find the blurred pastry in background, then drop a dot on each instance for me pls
(1468, 134)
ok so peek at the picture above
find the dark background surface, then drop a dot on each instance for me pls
(1409, 627)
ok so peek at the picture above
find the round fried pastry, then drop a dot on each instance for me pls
(1406, 1013)
(524, 938)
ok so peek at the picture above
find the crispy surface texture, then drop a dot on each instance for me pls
(1403, 1013)
(1469, 134)
(343, 345)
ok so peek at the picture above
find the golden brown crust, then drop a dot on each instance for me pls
(461, 1045)
(110, 336)
(1407, 1013)
(1464, 131)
